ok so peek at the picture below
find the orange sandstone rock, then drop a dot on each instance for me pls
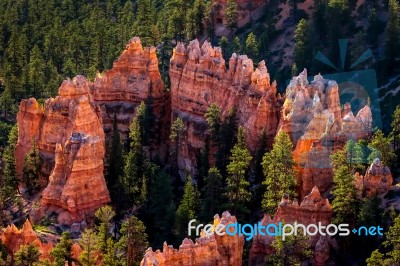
(312, 210)
(199, 78)
(13, 238)
(207, 250)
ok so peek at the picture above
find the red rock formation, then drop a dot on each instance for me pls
(199, 78)
(133, 78)
(69, 132)
(312, 210)
(377, 179)
(246, 11)
(207, 250)
(13, 238)
(313, 118)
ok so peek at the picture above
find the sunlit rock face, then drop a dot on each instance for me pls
(312, 210)
(377, 179)
(134, 78)
(69, 133)
(318, 126)
(206, 250)
(199, 77)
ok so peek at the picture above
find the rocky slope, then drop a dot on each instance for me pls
(69, 133)
(312, 210)
(207, 250)
(318, 126)
(199, 77)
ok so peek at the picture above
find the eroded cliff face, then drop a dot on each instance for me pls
(207, 250)
(13, 238)
(69, 133)
(318, 126)
(199, 78)
(312, 210)
(134, 78)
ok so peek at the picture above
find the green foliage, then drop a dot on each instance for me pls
(213, 118)
(133, 242)
(31, 169)
(27, 255)
(392, 33)
(226, 140)
(89, 243)
(187, 208)
(252, 47)
(237, 185)
(62, 251)
(145, 23)
(212, 191)
(5, 129)
(104, 215)
(381, 147)
(291, 251)
(344, 204)
(231, 14)
(301, 42)
(10, 179)
(396, 127)
(134, 165)
(115, 160)
(391, 245)
(278, 172)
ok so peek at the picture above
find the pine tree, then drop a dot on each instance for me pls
(145, 20)
(291, 251)
(61, 253)
(36, 72)
(226, 140)
(278, 172)
(27, 255)
(213, 118)
(133, 169)
(10, 179)
(104, 215)
(212, 191)
(236, 45)
(115, 160)
(31, 169)
(396, 127)
(252, 47)
(237, 185)
(177, 130)
(89, 243)
(381, 148)
(187, 208)
(133, 242)
(301, 46)
(231, 15)
(344, 190)
(224, 44)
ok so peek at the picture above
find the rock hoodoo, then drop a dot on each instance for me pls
(377, 180)
(134, 78)
(199, 78)
(70, 137)
(313, 117)
(312, 210)
(207, 250)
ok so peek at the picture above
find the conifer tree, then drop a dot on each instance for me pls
(177, 130)
(231, 15)
(381, 148)
(89, 243)
(291, 251)
(301, 48)
(213, 118)
(187, 208)
(31, 169)
(62, 251)
(133, 169)
(278, 172)
(145, 20)
(115, 160)
(36, 71)
(252, 47)
(10, 179)
(344, 190)
(237, 184)
(104, 215)
(27, 255)
(133, 242)
(213, 192)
